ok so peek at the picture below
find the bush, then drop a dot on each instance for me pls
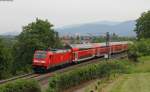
(139, 48)
(21, 86)
(74, 77)
(133, 56)
(133, 53)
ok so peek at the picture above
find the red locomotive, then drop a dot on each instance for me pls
(44, 60)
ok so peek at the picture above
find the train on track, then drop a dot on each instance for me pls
(46, 59)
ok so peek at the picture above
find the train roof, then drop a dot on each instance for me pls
(116, 43)
(54, 50)
(111, 43)
(93, 45)
(82, 46)
(59, 50)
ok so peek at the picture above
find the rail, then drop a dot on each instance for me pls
(15, 78)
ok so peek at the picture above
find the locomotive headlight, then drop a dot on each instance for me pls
(36, 61)
(42, 61)
(39, 61)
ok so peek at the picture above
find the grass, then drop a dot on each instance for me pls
(143, 66)
(99, 84)
(137, 81)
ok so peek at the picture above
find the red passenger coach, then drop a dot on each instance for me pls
(82, 52)
(117, 47)
(101, 49)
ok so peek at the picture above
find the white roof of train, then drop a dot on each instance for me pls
(91, 45)
(112, 43)
(85, 45)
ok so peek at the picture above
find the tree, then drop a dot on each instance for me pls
(35, 36)
(5, 61)
(142, 28)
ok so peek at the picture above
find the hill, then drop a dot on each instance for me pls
(120, 28)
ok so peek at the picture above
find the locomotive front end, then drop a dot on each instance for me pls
(40, 60)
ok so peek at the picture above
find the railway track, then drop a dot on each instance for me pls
(15, 78)
(43, 78)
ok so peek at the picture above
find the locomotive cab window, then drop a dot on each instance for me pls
(40, 54)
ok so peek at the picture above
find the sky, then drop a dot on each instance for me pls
(17, 13)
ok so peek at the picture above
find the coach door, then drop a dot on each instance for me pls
(98, 52)
(75, 56)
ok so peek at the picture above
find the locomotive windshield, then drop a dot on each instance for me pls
(40, 54)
